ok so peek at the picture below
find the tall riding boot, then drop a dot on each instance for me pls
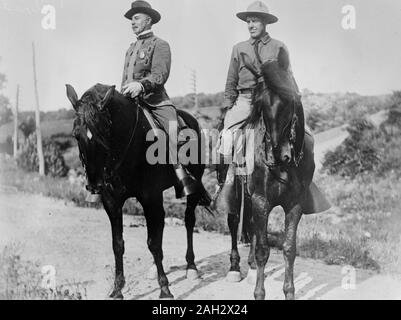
(221, 171)
(188, 185)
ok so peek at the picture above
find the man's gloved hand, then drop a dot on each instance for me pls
(133, 89)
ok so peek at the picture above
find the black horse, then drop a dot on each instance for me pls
(282, 176)
(111, 133)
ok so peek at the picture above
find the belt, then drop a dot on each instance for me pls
(245, 91)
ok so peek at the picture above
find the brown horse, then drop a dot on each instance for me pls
(111, 132)
(282, 176)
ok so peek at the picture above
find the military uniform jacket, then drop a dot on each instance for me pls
(148, 61)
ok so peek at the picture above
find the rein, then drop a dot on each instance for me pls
(296, 158)
(124, 155)
(117, 166)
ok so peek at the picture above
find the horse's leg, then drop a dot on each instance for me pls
(234, 274)
(251, 276)
(114, 212)
(154, 214)
(292, 217)
(252, 273)
(262, 249)
(192, 201)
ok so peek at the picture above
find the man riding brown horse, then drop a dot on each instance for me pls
(260, 48)
(262, 96)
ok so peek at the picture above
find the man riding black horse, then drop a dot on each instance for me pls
(146, 70)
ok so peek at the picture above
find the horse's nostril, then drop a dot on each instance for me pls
(286, 159)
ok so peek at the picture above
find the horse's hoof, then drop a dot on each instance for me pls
(192, 274)
(251, 276)
(233, 276)
(289, 296)
(166, 296)
(116, 295)
(152, 273)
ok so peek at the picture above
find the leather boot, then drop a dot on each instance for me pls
(221, 172)
(187, 183)
(189, 186)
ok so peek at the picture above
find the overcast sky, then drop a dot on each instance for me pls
(91, 37)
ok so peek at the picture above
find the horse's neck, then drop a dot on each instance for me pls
(127, 127)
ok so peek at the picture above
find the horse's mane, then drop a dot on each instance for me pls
(277, 81)
(260, 99)
(98, 121)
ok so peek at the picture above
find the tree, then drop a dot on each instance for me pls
(6, 113)
(28, 126)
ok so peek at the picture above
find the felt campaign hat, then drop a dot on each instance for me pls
(258, 9)
(143, 7)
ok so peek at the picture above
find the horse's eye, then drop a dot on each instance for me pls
(75, 134)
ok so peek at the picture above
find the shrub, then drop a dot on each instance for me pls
(28, 126)
(357, 154)
(54, 162)
(22, 279)
(63, 140)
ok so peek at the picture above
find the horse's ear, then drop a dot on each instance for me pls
(248, 64)
(72, 96)
(107, 97)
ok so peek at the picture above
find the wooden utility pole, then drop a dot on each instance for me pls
(37, 117)
(194, 89)
(16, 124)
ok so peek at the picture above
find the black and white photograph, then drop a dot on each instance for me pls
(200, 150)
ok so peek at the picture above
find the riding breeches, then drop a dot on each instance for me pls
(234, 118)
(166, 117)
(238, 113)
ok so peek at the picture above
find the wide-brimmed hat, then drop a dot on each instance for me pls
(143, 7)
(258, 9)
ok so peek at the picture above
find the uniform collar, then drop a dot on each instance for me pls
(265, 39)
(144, 35)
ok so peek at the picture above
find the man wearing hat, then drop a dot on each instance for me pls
(240, 81)
(146, 70)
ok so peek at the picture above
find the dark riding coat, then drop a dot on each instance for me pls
(148, 61)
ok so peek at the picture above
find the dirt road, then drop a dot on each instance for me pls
(77, 242)
(330, 139)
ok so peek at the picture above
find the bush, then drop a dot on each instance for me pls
(22, 279)
(54, 162)
(63, 140)
(357, 154)
(28, 126)
(8, 146)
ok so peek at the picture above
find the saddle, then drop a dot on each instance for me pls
(154, 125)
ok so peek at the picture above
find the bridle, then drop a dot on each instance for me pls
(112, 170)
(295, 158)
